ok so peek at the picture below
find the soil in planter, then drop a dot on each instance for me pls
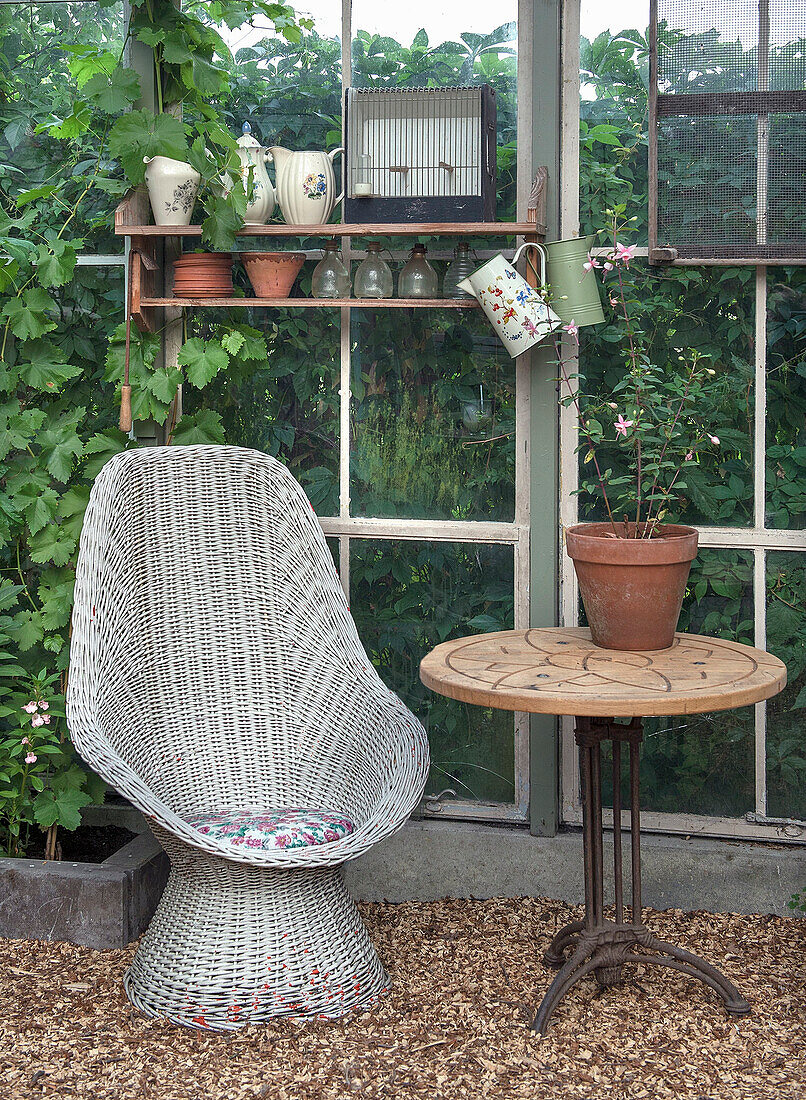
(88, 844)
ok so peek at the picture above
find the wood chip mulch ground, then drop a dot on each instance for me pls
(466, 983)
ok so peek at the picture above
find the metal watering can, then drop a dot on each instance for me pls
(516, 310)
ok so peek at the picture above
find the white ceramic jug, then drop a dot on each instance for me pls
(306, 185)
(172, 187)
(516, 310)
(252, 154)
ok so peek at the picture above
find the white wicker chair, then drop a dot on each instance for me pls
(215, 667)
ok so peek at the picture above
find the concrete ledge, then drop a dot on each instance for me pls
(434, 859)
(100, 905)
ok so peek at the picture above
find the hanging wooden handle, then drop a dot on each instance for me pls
(125, 421)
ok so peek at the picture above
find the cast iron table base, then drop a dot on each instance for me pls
(601, 946)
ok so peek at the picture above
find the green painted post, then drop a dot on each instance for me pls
(543, 740)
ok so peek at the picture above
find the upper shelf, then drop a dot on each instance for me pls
(383, 229)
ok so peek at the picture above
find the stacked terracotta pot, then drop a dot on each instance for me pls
(203, 275)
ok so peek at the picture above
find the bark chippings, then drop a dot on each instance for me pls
(467, 980)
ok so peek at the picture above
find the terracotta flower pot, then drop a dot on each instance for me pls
(272, 274)
(632, 588)
(203, 275)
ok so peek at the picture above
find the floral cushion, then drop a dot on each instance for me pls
(294, 827)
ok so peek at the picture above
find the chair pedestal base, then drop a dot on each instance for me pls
(232, 944)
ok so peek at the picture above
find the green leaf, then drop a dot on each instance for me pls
(140, 134)
(101, 447)
(42, 366)
(60, 445)
(28, 629)
(114, 93)
(202, 361)
(51, 545)
(233, 341)
(56, 597)
(56, 262)
(27, 314)
(202, 427)
(39, 508)
(163, 383)
(75, 124)
(225, 219)
(62, 809)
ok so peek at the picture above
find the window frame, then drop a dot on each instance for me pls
(758, 539)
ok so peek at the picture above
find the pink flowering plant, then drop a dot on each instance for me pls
(649, 426)
(43, 785)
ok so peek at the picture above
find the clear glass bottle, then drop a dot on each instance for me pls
(459, 268)
(373, 279)
(418, 278)
(330, 278)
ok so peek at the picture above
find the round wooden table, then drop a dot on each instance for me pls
(558, 670)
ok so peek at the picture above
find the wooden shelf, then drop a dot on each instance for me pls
(318, 303)
(388, 229)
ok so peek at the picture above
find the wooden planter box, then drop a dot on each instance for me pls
(100, 905)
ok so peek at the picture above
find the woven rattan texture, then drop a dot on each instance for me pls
(215, 665)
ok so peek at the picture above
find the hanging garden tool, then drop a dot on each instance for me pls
(125, 421)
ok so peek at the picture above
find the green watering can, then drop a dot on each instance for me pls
(574, 291)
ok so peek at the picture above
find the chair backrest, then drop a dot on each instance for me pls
(211, 637)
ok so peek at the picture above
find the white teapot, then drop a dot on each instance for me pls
(252, 155)
(306, 185)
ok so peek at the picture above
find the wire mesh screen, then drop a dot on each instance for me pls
(729, 121)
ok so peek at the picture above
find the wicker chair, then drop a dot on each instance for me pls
(216, 676)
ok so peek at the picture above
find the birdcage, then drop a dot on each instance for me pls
(420, 154)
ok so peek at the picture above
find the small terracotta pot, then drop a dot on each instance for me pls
(203, 275)
(632, 588)
(272, 274)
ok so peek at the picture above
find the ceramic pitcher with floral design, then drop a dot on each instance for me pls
(516, 310)
(305, 184)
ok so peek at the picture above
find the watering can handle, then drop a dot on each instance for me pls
(541, 250)
(333, 154)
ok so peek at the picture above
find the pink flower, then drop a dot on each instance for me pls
(591, 263)
(37, 721)
(571, 328)
(623, 253)
(607, 265)
(26, 741)
(45, 718)
(689, 456)
(30, 758)
(30, 708)
(614, 302)
(43, 704)
(714, 439)
(622, 425)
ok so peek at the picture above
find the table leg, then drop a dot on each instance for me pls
(597, 945)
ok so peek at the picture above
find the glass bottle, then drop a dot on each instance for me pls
(459, 268)
(330, 278)
(373, 279)
(418, 278)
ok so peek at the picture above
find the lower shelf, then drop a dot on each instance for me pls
(318, 303)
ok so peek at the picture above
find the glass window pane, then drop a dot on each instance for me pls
(287, 406)
(710, 310)
(704, 763)
(41, 79)
(786, 638)
(786, 397)
(407, 597)
(433, 418)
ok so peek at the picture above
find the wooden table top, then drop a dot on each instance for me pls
(558, 670)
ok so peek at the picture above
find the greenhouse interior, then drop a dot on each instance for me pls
(402, 549)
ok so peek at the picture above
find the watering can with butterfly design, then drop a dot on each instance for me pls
(516, 310)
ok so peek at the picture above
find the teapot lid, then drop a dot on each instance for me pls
(247, 141)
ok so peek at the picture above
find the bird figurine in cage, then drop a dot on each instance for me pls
(420, 154)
